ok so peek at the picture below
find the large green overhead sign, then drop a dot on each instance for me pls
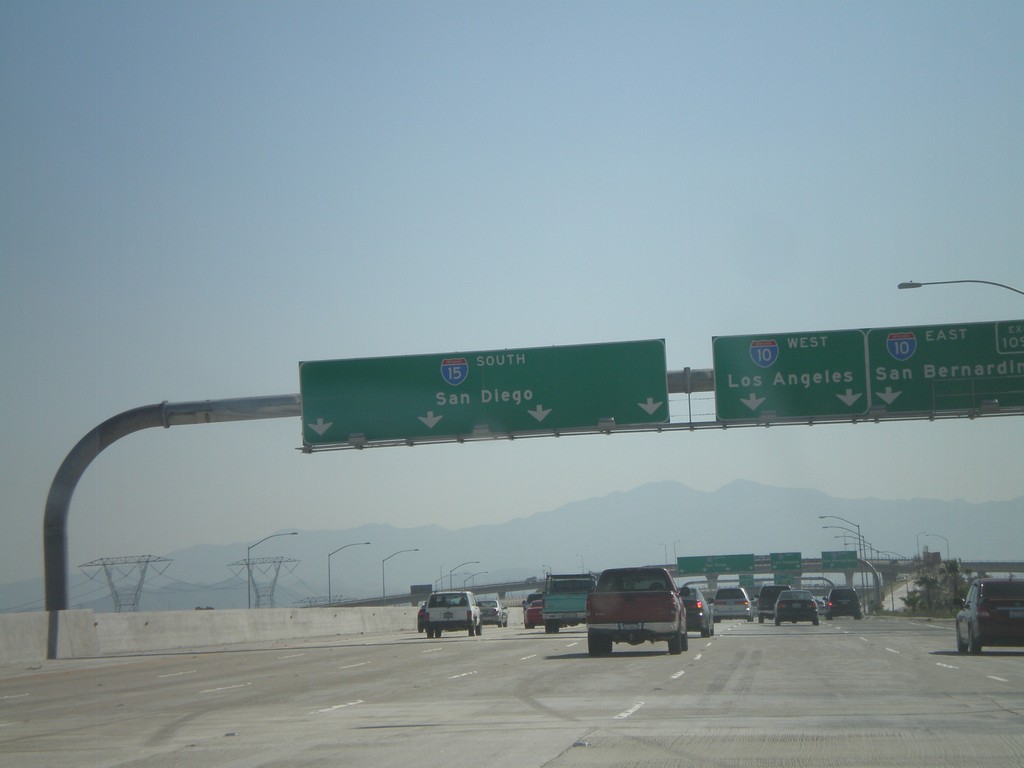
(899, 370)
(839, 560)
(787, 561)
(790, 375)
(961, 367)
(461, 394)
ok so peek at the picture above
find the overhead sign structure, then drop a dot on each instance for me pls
(790, 375)
(705, 564)
(966, 366)
(900, 370)
(462, 394)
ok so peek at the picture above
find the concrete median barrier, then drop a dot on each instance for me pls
(83, 633)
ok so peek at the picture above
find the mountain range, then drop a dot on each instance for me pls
(653, 523)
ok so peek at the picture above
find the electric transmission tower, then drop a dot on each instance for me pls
(125, 575)
(268, 568)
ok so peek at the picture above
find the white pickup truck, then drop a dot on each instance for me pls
(455, 610)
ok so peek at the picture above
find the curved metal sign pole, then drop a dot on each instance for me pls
(58, 502)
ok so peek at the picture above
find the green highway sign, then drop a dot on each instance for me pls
(955, 367)
(715, 564)
(461, 394)
(787, 561)
(790, 375)
(900, 370)
(841, 560)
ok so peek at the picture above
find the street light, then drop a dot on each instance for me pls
(453, 570)
(248, 560)
(919, 535)
(846, 538)
(358, 543)
(473, 576)
(912, 284)
(383, 589)
(949, 556)
(860, 551)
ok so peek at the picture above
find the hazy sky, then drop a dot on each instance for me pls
(196, 196)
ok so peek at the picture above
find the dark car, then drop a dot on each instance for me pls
(842, 601)
(700, 616)
(421, 617)
(993, 614)
(766, 600)
(795, 605)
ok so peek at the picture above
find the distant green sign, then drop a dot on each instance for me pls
(715, 564)
(955, 367)
(787, 561)
(841, 560)
(466, 393)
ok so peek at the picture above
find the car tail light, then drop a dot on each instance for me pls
(983, 610)
(699, 605)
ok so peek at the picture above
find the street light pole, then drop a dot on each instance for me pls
(383, 589)
(949, 555)
(356, 544)
(860, 551)
(912, 284)
(248, 560)
(453, 570)
(473, 576)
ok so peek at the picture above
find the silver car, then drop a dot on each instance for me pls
(732, 603)
(493, 612)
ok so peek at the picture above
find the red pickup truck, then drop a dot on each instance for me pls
(635, 605)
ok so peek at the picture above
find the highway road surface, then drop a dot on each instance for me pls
(877, 692)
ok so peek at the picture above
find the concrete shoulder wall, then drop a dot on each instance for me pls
(83, 633)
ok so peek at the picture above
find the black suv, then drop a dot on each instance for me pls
(766, 600)
(842, 601)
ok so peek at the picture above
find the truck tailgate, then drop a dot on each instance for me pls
(631, 607)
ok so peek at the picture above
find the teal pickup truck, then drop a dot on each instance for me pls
(565, 600)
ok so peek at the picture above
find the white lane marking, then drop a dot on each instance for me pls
(697, 657)
(945, 666)
(531, 656)
(353, 666)
(570, 645)
(464, 674)
(892, 650)
(431, 650)
(291, 656)
(14, 696)
(679, 674)
(336, 706)
(177, 674)
(226, 688)
(630, 711)
(998, 679)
